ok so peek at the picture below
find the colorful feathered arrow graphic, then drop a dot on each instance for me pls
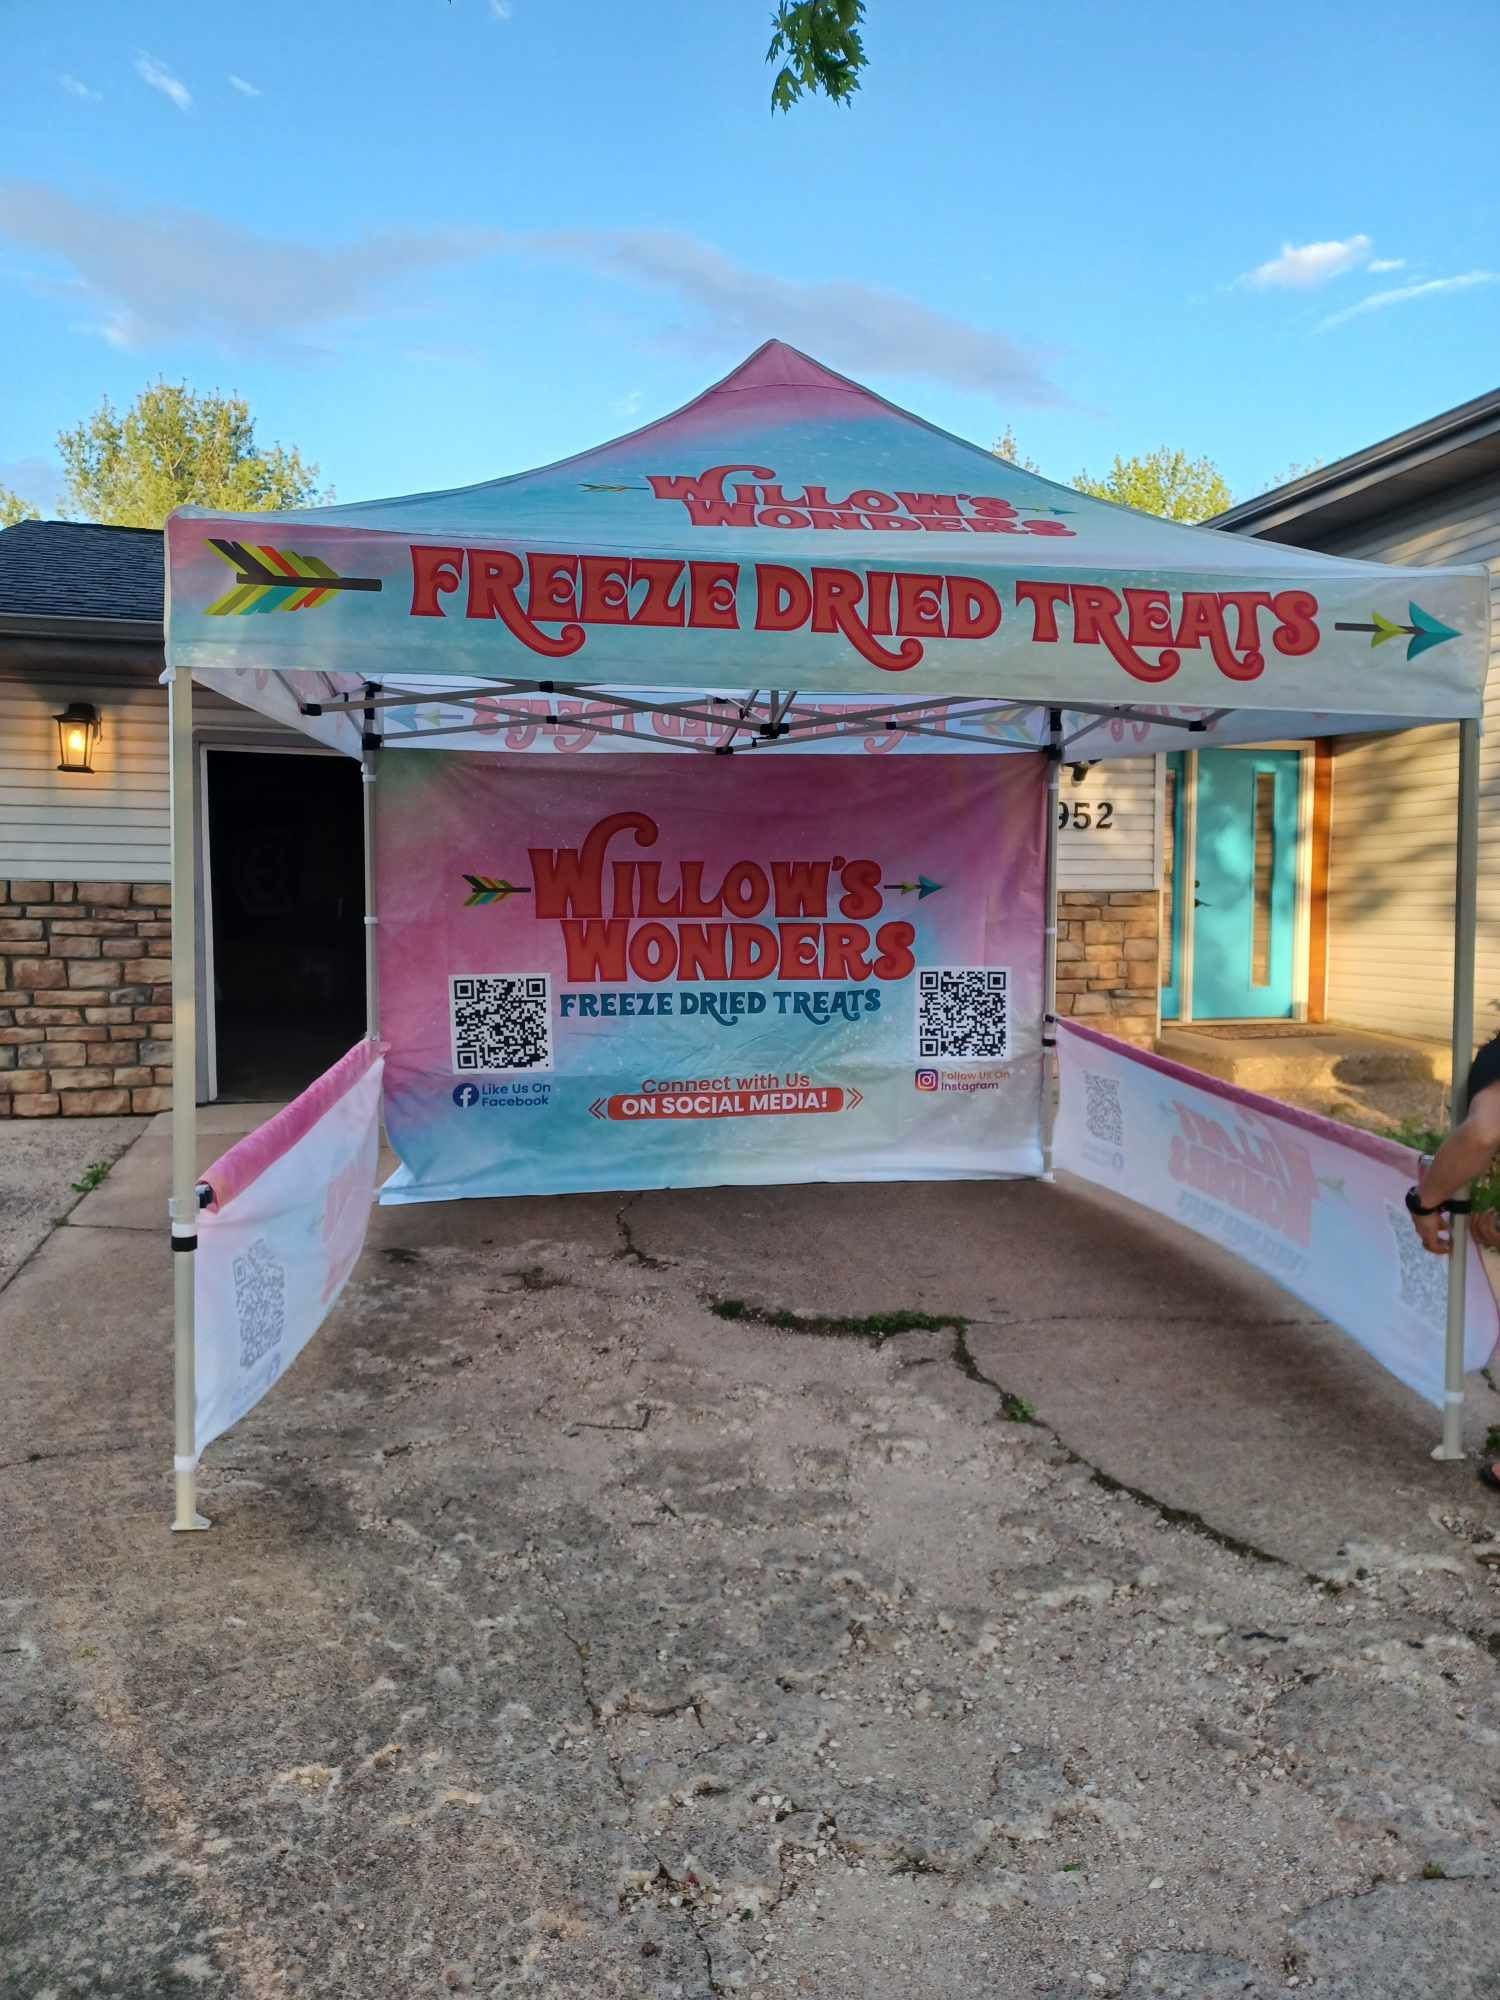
(271, 579)
(922, 888)
(1422, 632)
(492, 889)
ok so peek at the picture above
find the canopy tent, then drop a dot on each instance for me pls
(789, 563)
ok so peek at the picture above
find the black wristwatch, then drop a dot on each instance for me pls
(1454, 1207)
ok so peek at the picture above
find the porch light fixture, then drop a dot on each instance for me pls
(78, 731)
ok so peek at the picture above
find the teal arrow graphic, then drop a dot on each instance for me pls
(1429, 631)
(1421, 633)
(922, 888)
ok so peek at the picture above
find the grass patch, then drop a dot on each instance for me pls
(93, 1173)
(872, 1326)
(1434, 1871)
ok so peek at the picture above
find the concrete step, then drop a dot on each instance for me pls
(1317, 1059)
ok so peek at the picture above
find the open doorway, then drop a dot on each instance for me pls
(284, 877)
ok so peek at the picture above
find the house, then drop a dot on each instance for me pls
(1374, 830)
(85, 859)
(85, 946)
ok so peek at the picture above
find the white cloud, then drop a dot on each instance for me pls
(500, 10)
(1302, 265)
(245, 89)
(628, 405)
(174, 274)
(171, 274)
(1386, 264)
(1400, 295)
(849, 324)
(75, 88)
(155, 73)
(39, 480)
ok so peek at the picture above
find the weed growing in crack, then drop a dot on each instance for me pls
(876, 1327)
(1013, 1408)
(91, 1176)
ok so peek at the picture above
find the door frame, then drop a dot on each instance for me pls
(1184, 863)
(205, 743)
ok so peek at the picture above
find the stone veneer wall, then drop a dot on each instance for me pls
(85, 998)
(1108, 955)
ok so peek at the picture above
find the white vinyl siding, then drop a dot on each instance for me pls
(1395, 810)
(1123, 855)
(112, 826)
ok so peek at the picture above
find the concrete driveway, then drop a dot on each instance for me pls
(844, 1592)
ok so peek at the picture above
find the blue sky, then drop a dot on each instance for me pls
(436, 240)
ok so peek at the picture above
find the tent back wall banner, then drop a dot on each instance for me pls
(790, 529)
(644, 972)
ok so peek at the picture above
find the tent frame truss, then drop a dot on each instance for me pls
(764, 719)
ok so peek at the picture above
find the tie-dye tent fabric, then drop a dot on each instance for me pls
(789, 566)
(791, 530)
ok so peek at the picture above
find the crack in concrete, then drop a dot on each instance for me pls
(708, 1958)
(596, 1713)
(582, 1424)
(1015, 1408)
(68, 1451)
(1018, 1410)
(878, 1328)
(630, 1251)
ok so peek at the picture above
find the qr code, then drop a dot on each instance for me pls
(1424, 1278)
(1101, 1109)
(501, 1021)
(961, 1012)
(259, 1301)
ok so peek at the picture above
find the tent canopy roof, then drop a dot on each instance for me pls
(789, 529)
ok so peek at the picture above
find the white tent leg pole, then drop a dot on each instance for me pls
(372, 919)
(1466, 883)
(1049, 953)
(183, 1206)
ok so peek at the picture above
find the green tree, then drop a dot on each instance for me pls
(13, 508)
(1006, 446)
(820, 48)
(1162, 482)
(173, 448)
(1296, 470)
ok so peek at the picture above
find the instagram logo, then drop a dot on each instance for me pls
(927, 1079)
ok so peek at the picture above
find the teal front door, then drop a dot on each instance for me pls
(1244, 919)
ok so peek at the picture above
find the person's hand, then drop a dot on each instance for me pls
(1436, 1233)
(1484, 1227)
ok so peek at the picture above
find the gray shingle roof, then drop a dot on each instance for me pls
(77, 569)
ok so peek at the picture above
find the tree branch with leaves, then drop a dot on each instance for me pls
(820, 48)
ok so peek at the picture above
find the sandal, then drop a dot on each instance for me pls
(1487, 1476)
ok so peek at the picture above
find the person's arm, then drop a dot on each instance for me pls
(1466, 1152)
(1464, 1155)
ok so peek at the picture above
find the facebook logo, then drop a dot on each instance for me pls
(464, 1095)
